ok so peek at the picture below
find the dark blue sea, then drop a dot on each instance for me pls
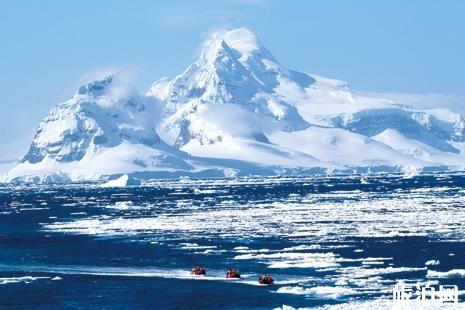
(328, 242)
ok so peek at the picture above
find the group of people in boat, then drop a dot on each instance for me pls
(198, 271)
(233, 274)
(265, 279)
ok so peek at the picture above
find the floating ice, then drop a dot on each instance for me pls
(454, 273)
(122, 181)
(26, 279)
(432, 262)
(316, 228)
(331, 292)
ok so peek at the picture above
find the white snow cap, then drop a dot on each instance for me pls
(241, 39)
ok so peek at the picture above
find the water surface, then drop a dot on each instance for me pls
(326, 241)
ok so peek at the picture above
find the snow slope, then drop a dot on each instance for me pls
(418, 149)
(98, 132)
(236, 111)
(342, 146)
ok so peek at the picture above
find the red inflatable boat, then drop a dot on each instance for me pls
(198, 271)
(265, 279)
(233, 274)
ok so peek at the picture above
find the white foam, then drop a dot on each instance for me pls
(60, 270)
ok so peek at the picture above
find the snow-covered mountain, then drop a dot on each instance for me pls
(237, 111)
(101, 130)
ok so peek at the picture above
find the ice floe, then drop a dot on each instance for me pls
(454, 273)
(332, 292)
(319, 230)
(432, 262)
(25, 279)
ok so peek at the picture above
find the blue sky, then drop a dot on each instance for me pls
(384, 46)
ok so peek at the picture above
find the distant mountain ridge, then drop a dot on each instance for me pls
(236, 111)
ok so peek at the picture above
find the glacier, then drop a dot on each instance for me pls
(236, 111)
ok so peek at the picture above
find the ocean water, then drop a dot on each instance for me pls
(329, 242)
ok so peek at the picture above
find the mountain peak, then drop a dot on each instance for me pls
(242, 40)
(216, 51)
(96, 88)
(233, 68)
